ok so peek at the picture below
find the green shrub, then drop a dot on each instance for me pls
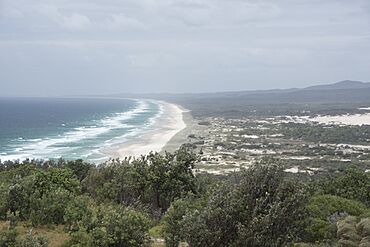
(172, 221)
(354, 184)
(50, 207)
(31, 240)
(78, 212)
(8, 237)
(325, 211)
(323, 206)
(264, 209)
(80, 238)
(119, 226)
(109, 226)
(3, 202)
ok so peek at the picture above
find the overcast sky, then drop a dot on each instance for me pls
(59, 47)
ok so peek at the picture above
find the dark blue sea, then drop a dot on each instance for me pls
(70, 128)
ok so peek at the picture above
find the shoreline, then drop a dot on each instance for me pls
(181, 137)
(168, 134)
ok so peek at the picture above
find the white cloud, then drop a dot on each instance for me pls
(10, 12)
(73, 21)
(222, 43)
(70, 21)
(121, 21)
(216, 13)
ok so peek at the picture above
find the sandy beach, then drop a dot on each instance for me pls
(163, 136)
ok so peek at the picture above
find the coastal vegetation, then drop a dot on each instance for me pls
(159, 200)
(253, 179)
(301, 145)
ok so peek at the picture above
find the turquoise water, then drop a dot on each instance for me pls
(70, 128)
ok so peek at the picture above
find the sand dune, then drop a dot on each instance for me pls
(355, 119)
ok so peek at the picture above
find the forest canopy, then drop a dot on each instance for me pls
(135, 202)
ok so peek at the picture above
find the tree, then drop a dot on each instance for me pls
(107, 226)
(3, 202)
(99, 183)
(353, 184)
(18, 199)
(79, 213)
(50, 207)
(115, 226)
(53, 178)
(79, 168)
(154, 180)
(172, 221)
(264, 209)
(170, 176)
(131, 181)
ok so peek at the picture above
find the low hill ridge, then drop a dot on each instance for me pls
(347, 84)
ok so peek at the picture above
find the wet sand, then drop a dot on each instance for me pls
(168, 133)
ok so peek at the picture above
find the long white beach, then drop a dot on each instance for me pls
(168, 124)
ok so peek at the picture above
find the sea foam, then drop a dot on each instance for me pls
(72, 142)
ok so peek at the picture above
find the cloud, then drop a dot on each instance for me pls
(209, 13)
(252, 12)
(73, 21)
(69, 21)
(10, 12)
(121, 21)
(182, 45)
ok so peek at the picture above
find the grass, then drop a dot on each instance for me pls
(156, 235)
(55, 234)
(156, 231)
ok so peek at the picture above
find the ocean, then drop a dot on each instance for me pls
(71, 128)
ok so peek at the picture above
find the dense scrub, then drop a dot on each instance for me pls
(327, 134)
(262, 209)
(118, 202)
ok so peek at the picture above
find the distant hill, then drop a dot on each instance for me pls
(341, 85)
(343, 91)
(338, 97)
(350, 90)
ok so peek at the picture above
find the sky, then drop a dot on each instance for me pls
(65, 47)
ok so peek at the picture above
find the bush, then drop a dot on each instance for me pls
(172, 221)
(3, 202)
(353, 184)
(154, 180)
(323, 206)
(8, 237)
(31, 240)
(78, 212)
(262, 210)
(50, 207)
(79, 168)
(119, 226)
(110, 226)
(42, 195)
(79, 239)
(325, 211)
(18, 199)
